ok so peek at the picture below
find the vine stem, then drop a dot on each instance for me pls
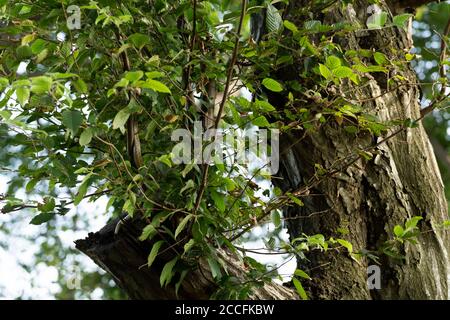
(283, 200)
(29, 206)
(442, 71)
(204, 181)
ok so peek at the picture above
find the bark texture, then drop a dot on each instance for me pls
(369, 198)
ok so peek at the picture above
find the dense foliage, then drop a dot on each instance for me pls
(90, 111)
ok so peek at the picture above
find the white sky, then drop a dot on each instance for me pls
(40, 283)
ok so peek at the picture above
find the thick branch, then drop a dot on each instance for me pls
(124, 257)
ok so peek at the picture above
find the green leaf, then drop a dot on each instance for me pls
(154, 253)
(40, 85)
(133, 76)
(128, 207)
(189, 245)
(139, 40)
(38, 46)
(302, 274)
(373, 69)
(72, 119)
(47, 206)
(345, 244)
(273, 19)
(261, 121)
(24, 52)
(166, 273)
(111, 201)
(155, 85)
(180, 281)
(166, 159)
(25, 9)
(308, 46)
(380, 59)
(272, 85)
(412, 223)
(325, 72)
(400, 20)
(271, 243)
(59, 75)
(28, 38)
(80, 86)
(82, 190)
(264, 106)
(42, 218)
(31, 184)
(122, 83)
(215, 268)
(219, 200)
(333, 62)
(86, 137)
(23, 94)
(148, 232)
(296, 200)
(188, 186)
(154, 61)
(121, 119)
(398, 231)
(82, 170)
(410, 56)
(5, 114)
(4, 82)
(42, 55)
(111, 92)
(276, 218)
(290, 26)
(343, 72)
(301, 292)
(183, 224)
(154, 74)
(313, 25)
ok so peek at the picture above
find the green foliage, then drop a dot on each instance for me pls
(272, 85)
(166, 273)
(298, 286)
(408, 232)
(135, 62)
(154, 252)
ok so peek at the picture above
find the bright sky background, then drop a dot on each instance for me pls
(15, 281)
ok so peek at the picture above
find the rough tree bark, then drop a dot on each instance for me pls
(368, 199)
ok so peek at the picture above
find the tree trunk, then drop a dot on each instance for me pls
(368, 199)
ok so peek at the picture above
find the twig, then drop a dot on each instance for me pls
(204, 181)
(442, 72)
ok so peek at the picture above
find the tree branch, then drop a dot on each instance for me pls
(123, 255)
